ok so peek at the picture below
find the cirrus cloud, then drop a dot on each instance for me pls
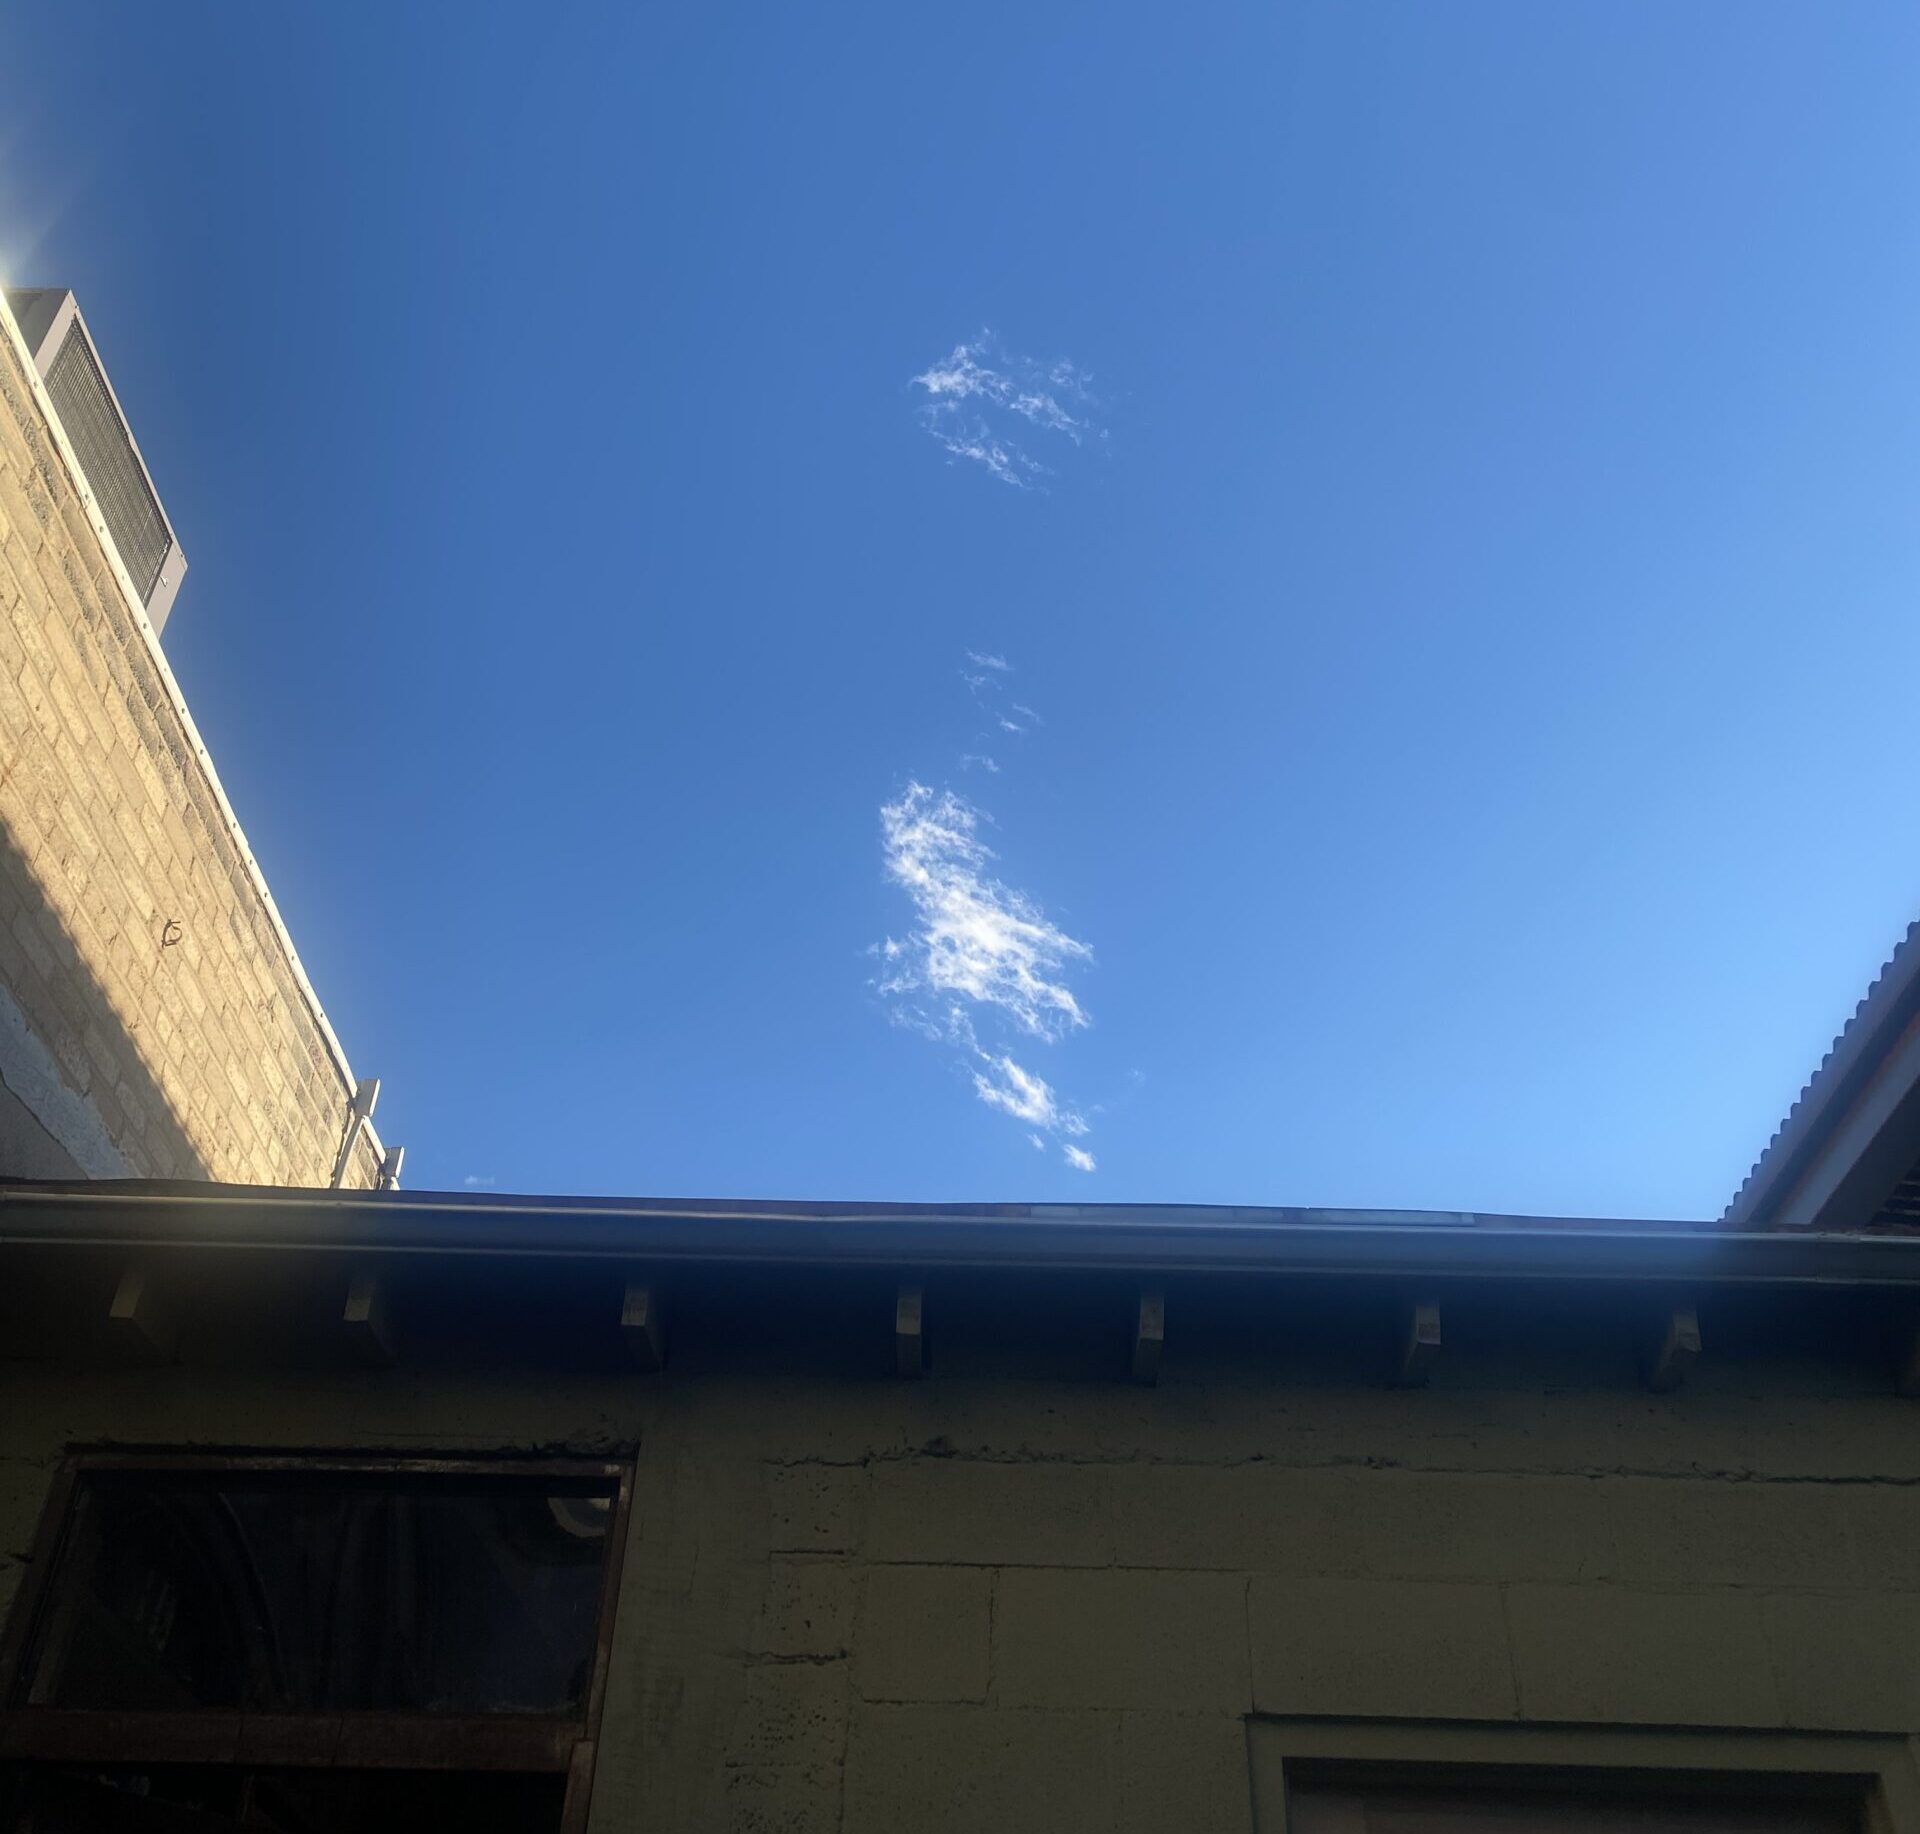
(979, 954)
(973, 938)
(982, 402)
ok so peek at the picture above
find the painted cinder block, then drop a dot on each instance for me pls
(793, 1716)
(1613, 1655)
(980, 1512)
(958, 1770)
(1393, 1524)
(816, 1508)
(1121, 1638)
(1708, 1532)
(1367, 1647)
(780, 1800)
(1883, 1523)
(1235, 1518)
(1845, 1663)
(925, 1634)
(1183, 1771)
(807, 1609)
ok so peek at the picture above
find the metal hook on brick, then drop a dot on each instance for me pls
(359, 1112)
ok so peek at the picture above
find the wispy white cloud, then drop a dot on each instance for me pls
(980, 954)
(1003, 459)
(474, 1182)
(983, 971)
(974, 937)
(989, 690)
(1004, 1085)
(979, 370)
(975, 396)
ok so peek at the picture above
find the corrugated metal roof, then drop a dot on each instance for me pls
(1886, 1009)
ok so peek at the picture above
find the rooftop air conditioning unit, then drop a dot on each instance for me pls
(69, 364)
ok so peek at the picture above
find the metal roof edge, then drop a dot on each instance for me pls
(1085, 1238)
(1882, 1013)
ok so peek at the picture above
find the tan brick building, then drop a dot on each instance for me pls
(373, 1511)
(154, 1018)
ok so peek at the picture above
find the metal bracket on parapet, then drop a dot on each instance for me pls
(359, 1112)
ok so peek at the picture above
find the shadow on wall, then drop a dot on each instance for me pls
(77, 1098)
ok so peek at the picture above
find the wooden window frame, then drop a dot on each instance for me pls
(562, 1744)
(1878, 1770)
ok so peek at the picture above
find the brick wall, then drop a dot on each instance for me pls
(154, 1021)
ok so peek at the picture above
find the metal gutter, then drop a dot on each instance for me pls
(1120, 1238)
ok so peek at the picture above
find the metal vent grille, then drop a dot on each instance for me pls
(106, 455)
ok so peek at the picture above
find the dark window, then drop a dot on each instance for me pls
(285, 1592)
(1345, 1809)
(312, 1645)
(159, 1799)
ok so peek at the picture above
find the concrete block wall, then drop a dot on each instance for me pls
(856, 1606)
(1043, 1606)
(154, 1021)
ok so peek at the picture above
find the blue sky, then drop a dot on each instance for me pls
(1464, 622)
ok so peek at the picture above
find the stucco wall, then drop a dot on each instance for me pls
(866, 1605)
(153, 1019)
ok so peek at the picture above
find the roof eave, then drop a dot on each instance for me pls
(1006, 1238)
